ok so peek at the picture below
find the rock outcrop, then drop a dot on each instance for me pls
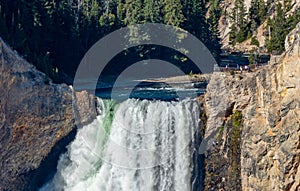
(35, 115)
(260, 151)
(225, 22)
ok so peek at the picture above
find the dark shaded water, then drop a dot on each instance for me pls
(150, 90)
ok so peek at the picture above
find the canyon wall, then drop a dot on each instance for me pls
(35, 115)
(257, 119)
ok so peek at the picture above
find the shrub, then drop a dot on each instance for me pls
(254, 41)
(232, 72)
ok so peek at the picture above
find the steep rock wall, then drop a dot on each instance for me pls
(269, 146)
(34, 115)
(225, 22)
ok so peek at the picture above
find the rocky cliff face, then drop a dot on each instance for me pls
(257, 116)
(34, 115)
(225, 22)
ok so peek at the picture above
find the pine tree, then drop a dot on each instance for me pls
(152, 11)
(241, 13)
(214, 16)
(293, 20)
(133, 12)
(232, 34)
(121, 11)
(194, 12)
(196, 23)
(278, 30)
(239, 29)
(241, 21)
(173, 13)
(253, 15)
(90, 9)
(262, 13)
(108, 19)
(213, 32)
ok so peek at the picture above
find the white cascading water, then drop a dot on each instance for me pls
(137, 145)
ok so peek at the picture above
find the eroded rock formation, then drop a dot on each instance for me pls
(34, 115)
(267, 156)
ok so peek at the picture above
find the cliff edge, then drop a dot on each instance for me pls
(35, 115)
(257, 119)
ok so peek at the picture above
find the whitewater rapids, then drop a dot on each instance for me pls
(136, 145)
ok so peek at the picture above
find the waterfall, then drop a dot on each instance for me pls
(134, 145)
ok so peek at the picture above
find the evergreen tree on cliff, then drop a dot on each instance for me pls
(241, 21)
(213, 21)
(277, 30)
(239, 30)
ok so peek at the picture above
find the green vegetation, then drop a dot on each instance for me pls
(254, 41)
(221, 129)
(244, 25)
(253, 58)
(239, 26)
(278, 32)
(236, 123)
(237, 120)
(214, 17)
(54, 35)
(281, 25)
(227, 148)
(203, 122)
